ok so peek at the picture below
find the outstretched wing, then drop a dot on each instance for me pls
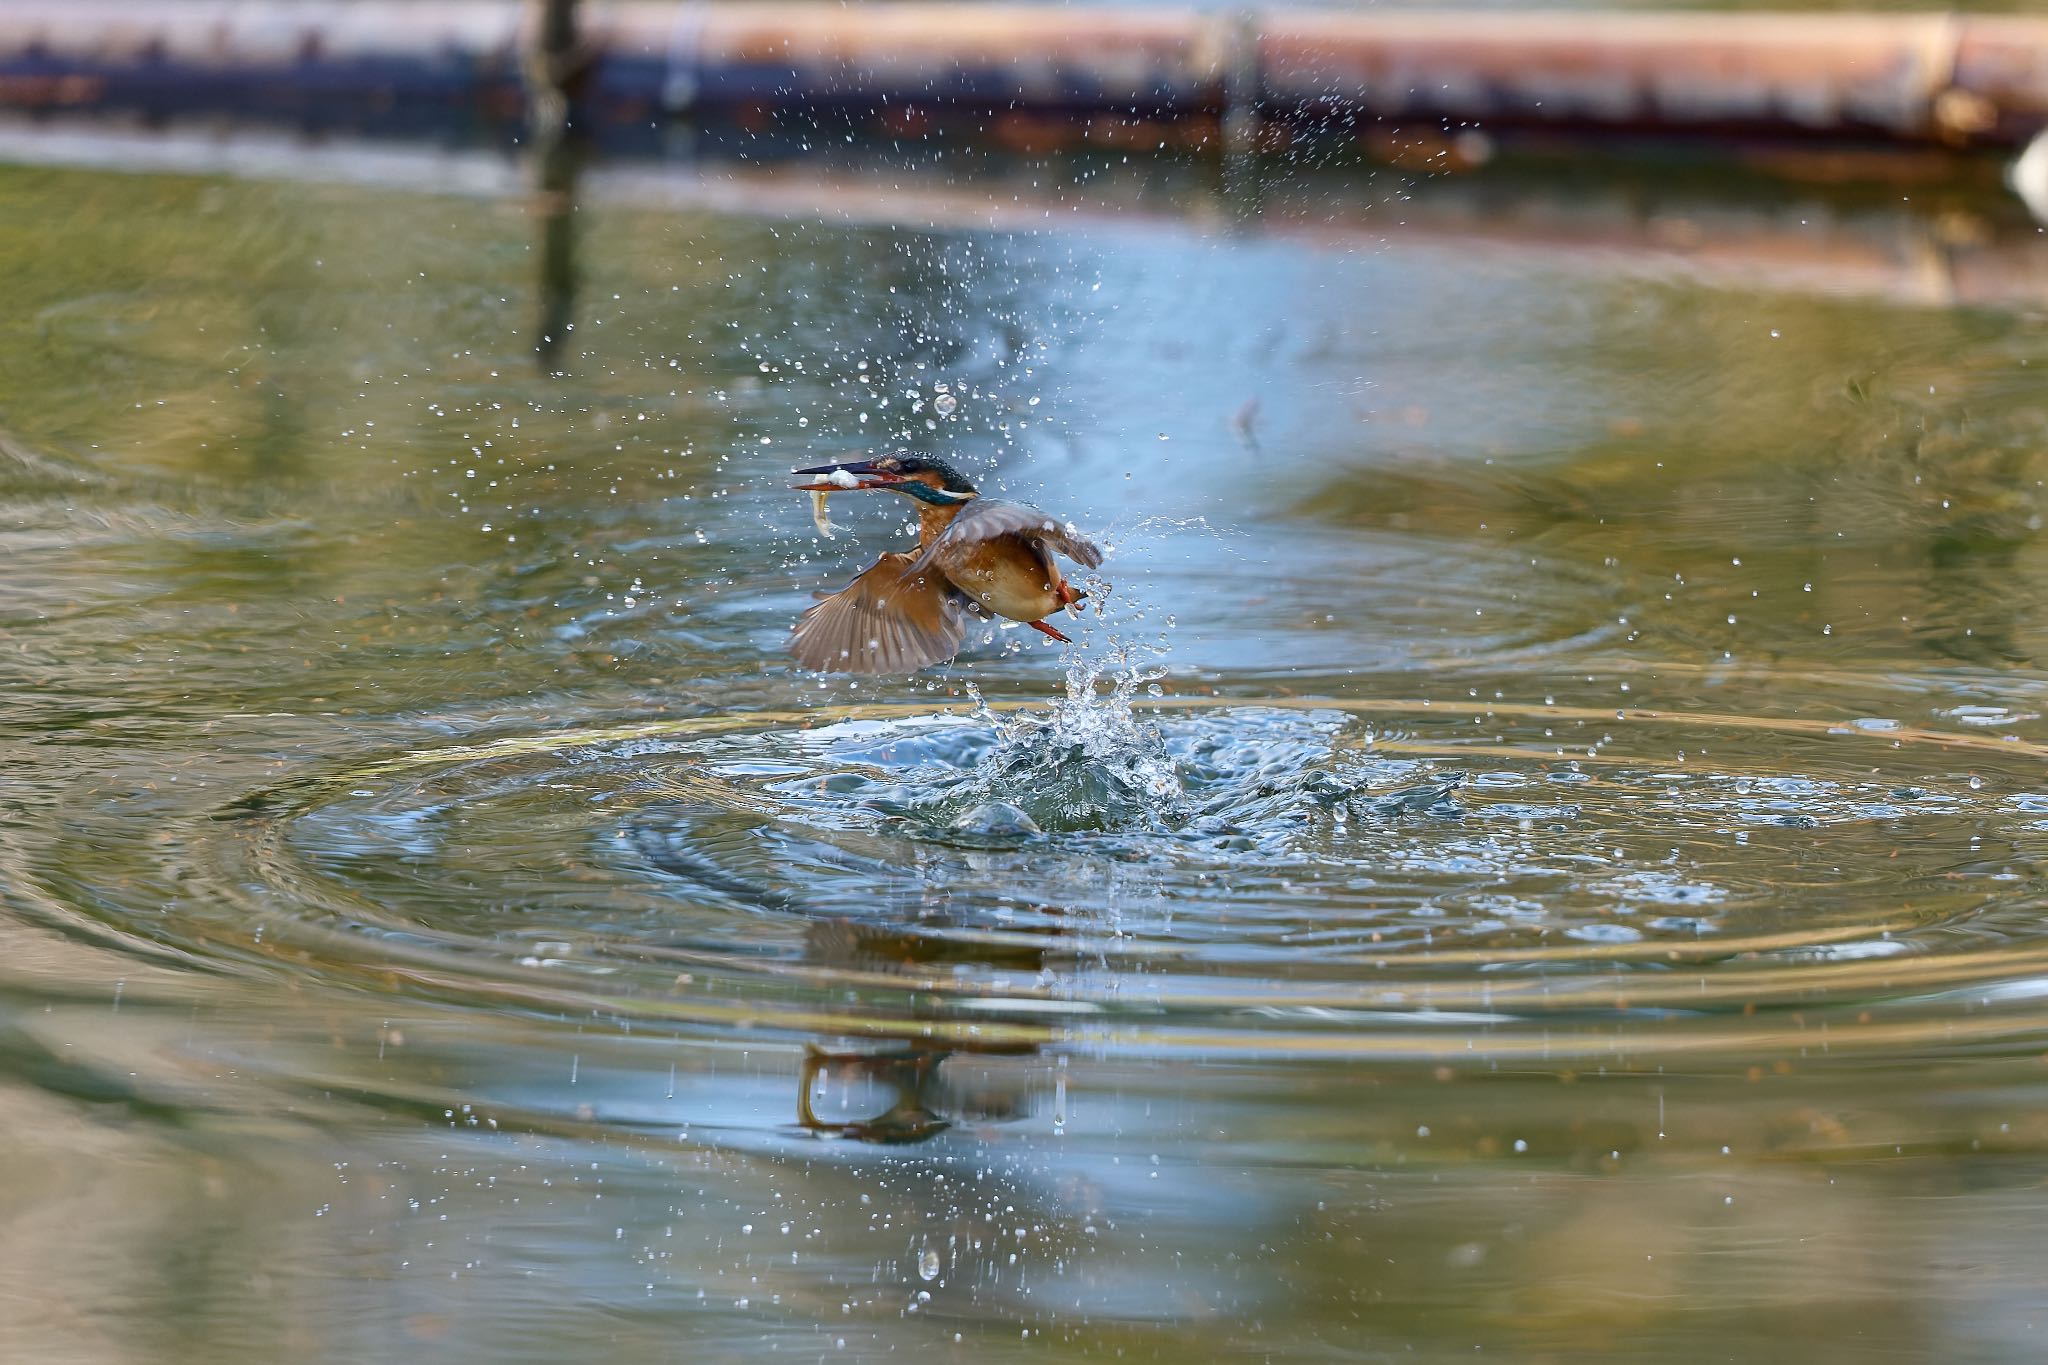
(889, 620)
(986, 519)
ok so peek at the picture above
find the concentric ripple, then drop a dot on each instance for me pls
(1379, 878)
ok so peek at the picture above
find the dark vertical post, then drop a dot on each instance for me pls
(557, 34)
(1240, 61)
(554, 67)
(1238, 45)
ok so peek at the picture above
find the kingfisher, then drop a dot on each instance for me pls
(975, 555)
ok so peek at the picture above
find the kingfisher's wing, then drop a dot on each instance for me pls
(986, 519)
(891, 619)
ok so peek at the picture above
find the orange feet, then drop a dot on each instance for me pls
(1048, 630)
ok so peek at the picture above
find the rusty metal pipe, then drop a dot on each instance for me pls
(1929, 79)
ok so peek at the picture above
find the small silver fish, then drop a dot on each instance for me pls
(819, 517)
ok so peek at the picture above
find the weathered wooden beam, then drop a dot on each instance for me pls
(1934, 79)
(1930, 77)
(439, 60)
(996, 58)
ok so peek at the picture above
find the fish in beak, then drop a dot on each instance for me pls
(840, 478)
(843, 478)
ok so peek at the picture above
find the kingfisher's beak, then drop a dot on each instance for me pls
(862, 472)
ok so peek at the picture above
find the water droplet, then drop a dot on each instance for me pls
(945, 405)
(928, 1265)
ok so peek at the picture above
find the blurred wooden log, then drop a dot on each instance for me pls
(1931, 79)
(1892, 75)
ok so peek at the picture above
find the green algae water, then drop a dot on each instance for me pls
(1541, 855)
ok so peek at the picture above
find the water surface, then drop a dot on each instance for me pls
(1563, 876)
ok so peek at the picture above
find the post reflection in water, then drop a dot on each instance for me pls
(1547, 858)
(558, 160)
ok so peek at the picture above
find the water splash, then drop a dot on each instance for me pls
(1090, 761)
(1086, 762)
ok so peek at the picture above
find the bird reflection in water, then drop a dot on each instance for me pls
(924, 1096)
(882, 1091)
(907, 1091)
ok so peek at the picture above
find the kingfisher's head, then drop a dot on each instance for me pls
(915, 476)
